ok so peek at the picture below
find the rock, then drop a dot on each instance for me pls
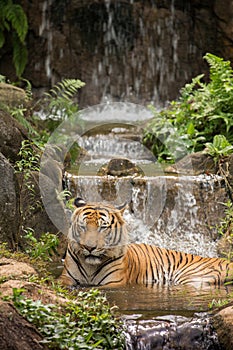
(41, 216)
(16, 333)
(227, 170)
(52, 184)
(194, 164)
(12, 95)
(11, 136)
(120, 167)
(175, 208)
(225, 245)
(32, 291)
(223, 324)
(9, 204)
(143, 50)
(41, 197)
(15, 269)
(172, 332)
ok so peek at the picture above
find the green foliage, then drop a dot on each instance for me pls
(59, 103)
(202, 111)
(225, 229)
(219, 303)
(219, 148)
(19, 114)
(44, 248)
(2, 78)
(29, 158)
(29, 161)
(86, 323)
(14, 21)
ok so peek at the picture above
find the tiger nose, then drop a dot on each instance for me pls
(89, 248)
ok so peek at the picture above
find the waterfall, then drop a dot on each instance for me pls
(140, 51)
(168, 211)
(46, 32)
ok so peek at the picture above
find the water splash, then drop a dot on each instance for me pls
(167, 211)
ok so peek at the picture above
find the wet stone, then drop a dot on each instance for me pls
(172, 332)
(120, 167)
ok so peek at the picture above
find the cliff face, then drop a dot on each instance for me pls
(139, 51)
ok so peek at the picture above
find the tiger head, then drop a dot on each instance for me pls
(98, 232)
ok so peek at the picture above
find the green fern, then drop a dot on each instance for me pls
(14, 21)
(59, 100)
(20, 55)
(16, 16)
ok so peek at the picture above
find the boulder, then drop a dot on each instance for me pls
(172, 332)
(9, 204)
(16, 332)
(10, 268)
(223, 324)
(120, 167)
(31, 205)
(12, 95)
(11, 136)
(194, 164)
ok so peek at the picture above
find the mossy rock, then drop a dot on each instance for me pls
(120, 167)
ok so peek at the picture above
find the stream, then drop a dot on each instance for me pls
(175, 211)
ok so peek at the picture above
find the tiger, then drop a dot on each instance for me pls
(99, 254)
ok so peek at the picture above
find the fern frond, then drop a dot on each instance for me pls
(219, 69)
(2, 39)
(19, 56)
(16, 16)
(66, 89)
(59, 98)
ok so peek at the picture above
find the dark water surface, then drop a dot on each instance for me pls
(156, 301)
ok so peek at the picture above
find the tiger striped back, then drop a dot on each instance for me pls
(98, 253)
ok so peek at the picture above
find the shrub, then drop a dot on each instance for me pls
(84, 323)
(202, 111)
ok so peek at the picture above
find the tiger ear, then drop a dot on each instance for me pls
(79, 202)
(122, 207)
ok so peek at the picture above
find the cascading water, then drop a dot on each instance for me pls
(46, 32)
(173, 211)
(152, 218)
(128, 72)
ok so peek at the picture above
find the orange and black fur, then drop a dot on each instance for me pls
(98, 254)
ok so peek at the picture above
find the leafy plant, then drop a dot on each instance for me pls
(219, 148)
(44, 248)
(29, 159)
(19, 114)
(85, 323)
(202, 111)
(13, 24)
(59, 101)
(225, 230)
